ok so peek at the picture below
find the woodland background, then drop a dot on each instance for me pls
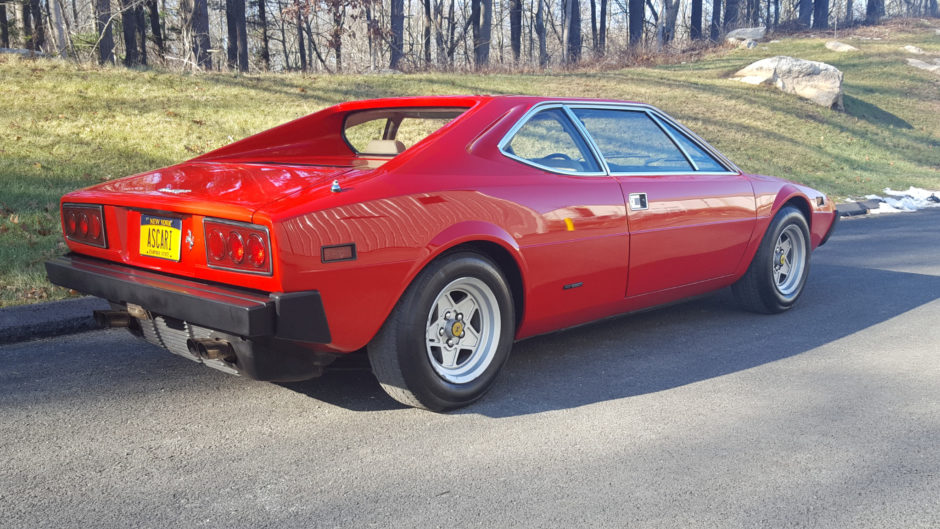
(406, 35)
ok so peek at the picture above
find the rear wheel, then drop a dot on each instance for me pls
(775, 279)
(447, 338)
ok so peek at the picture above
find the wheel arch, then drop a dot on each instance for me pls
(490, 241)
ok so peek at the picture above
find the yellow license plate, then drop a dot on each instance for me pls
(160, 237)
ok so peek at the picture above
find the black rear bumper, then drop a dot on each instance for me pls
(294, 316)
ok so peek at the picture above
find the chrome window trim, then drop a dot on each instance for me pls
(656, 114)
(548, 105)
(672, 138)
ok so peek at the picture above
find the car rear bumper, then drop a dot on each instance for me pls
(294, 316)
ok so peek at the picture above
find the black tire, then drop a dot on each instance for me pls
(775, 278)
(419, 369)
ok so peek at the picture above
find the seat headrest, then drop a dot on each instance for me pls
(384, 147)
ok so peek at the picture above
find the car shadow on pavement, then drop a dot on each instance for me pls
(660, 349)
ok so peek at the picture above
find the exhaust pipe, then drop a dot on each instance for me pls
(211, 349)
(112, 318)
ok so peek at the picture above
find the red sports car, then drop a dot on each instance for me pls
(434, 232)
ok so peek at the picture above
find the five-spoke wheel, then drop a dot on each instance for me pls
(448, 336)
(775, 279)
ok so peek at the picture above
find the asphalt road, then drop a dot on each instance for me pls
(695, 415)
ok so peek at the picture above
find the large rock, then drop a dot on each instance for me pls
(839, 46)
(935, 68)
(913, 49)
(746, 33)
(819, 82)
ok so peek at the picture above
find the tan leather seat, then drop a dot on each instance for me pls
(384, 148)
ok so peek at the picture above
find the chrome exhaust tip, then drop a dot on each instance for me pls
(112, 318)
(211, 349)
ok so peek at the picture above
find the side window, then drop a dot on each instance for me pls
(550, 139)
(702, 159)
(631, 142)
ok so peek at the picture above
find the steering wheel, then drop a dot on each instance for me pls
(557, 155)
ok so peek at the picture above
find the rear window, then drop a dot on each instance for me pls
(389, 131)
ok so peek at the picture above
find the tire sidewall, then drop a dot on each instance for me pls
(411, 348)
(786, 217)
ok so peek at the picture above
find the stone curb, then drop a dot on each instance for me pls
(44, 320)
(852, 209)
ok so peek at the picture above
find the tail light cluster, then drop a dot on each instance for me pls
(237, 246)
(85, 224)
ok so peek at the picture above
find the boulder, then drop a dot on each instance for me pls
(819, 82)
(935, 68)
(913, 49)
(746, 34)
(840, 47)
(748, 44)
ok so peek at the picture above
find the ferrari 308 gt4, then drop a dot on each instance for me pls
(433, 232)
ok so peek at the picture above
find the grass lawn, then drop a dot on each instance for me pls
(64, 126)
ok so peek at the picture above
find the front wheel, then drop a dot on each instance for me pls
(775, 279)
(447, 338)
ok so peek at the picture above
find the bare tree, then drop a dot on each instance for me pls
(805, 13)
(515, 28)
(540, 33)
(4, 30)
(105, 37)
(695, 20)
(874, 11)
(265, 45)
(129, 29)
(398, 33)
(602, 37)
(637, 17)
(715, 27)
(731, 14)
(39, 31)
(155, 30)
(573, 55)
(481, 23)
(820, 14)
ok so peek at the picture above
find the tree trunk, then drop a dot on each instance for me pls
(602, 36)
(231, 45)
(155, 29)
(39, 31)
(200, 34)
(428, 22)
(481, 19)
(715, 27)
(695, 23)
(515, 28)
(263, 22)
(594, 43)
(540, 33)
(4, 31)
(667, 21)
(141, 20)
(241, 35)
(820, 14)
(637, 16)
(398, 34)
(874, 10)
(849, 15)
(336, 35)
(61, 43)
(805, 13)
(27, 25)
(301, 49)
(129, 30)
(574, 32)
(129, 27)
(105, 37)
(731, 14)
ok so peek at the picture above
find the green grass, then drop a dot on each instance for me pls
(64, 127)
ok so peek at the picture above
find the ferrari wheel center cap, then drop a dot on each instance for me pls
(456, 329)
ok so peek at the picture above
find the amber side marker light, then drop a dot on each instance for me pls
(85, 224)
(339, 252)
(237, 246)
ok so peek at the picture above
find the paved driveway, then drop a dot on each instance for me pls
(695, 415)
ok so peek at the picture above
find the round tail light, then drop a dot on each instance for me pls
(94, 226)
(216, 245)
(83, 224)
(236, 247)
(257, 254)
(71, 223)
